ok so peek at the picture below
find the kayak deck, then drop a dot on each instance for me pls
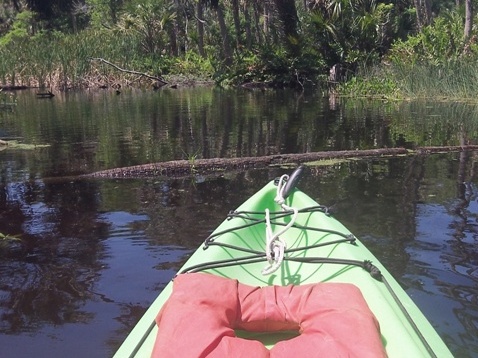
(319, 249)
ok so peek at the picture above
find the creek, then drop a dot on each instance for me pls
(84, 257)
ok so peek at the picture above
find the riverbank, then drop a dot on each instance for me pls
(59, 62)
(454, 81)
(113, 82)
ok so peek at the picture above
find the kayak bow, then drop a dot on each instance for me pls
(282, 237)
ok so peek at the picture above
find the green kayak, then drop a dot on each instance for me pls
(281, 246)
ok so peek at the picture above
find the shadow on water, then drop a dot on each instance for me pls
(93, 254)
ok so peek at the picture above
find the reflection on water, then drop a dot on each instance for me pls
(94, 253)
(90, 131)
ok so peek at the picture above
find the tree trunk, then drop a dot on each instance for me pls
(266, 15)
(237, 22)
(289, 20)
(247, 26)
(73, 22)
(115, 7)
(173, 40)
(424, 13)
(174, 30)
(468, 19)
(200, 28)
(428, 11)
(259, 33)
(185, 34)
(226, 46)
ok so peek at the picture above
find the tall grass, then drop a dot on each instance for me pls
(56, 60)
(454, 80)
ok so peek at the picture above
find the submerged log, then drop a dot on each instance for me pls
(48, 94)
(198, 166)
(445, 149)
(14, 87)
(201, 166)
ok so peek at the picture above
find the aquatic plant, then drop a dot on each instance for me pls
(7, 238)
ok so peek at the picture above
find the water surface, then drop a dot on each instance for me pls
(93, 254)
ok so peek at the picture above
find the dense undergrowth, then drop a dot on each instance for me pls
(438, 62)
(374, 56)
(66, 61)
(454, 80)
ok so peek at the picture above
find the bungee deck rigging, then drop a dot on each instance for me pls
(315, 248)
(260, 256)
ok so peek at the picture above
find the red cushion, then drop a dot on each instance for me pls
(200, 317)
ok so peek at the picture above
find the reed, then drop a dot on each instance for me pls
(63, 61)
(454, 80)
(56, 60)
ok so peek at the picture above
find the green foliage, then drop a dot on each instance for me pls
(275, 67)
(20, 28)
(162, 37)
(454, 79)
(436, 44)
(194, 65)
(150, 21)
(369, 83)
(104, 12)
(457, 80)
(435, 62)
(54, 58)
(352, 32)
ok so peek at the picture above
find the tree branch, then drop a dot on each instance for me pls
(160, 81)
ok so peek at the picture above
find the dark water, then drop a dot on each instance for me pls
(91, 255)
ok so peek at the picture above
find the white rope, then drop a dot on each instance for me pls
(275, 246)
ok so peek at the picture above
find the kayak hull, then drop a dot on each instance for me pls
(405, 331)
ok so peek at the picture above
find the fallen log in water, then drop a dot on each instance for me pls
(14, 87)
(200, 166)
(445, 149)
(178, 167)
(48, 94)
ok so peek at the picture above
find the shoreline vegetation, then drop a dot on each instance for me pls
(355, 49)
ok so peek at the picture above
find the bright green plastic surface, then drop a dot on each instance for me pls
(398, 336)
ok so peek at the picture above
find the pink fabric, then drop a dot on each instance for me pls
(200, 317)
